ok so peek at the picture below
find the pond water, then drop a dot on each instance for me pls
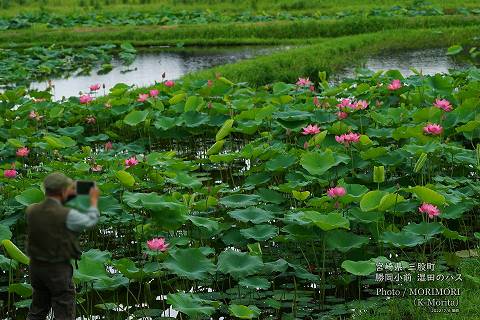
(149, 66)
(428, 61)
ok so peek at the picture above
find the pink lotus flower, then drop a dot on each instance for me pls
(90, 120)
(95, 87)
(33, 114)
(108, 146)
(86, 98)
(305, 145)
(345, 103)
(130, 162)
(316, 101)
(395, 85)
(153, 93)
(443, 104)
(360, 105)
(96, 168)
(23, 152)
(209, 83)
(312, 88)
(342, 115)
(336, 192)
(169, 83)
(10, 173)
(142, 97)
(304, 82)
(347, 138)
(157, 244)
(429, 209)
(433, 129)
(311, 129)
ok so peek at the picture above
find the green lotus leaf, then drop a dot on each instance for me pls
(6, 264)
(390, 200)
(22, 289)
(168, 215)
(224, 130)
(238, 264)
(59, 142)
(15, 143)
(91, 266)
(5, 233)
(110, 283)
(193, 103)
(135, 117)
(255, 283)
(244, 312)
(216, 147)
(239, 200)
(371, 200)
(258, 179)
(300, 196)
(328, 221)
(344, 241)
(190, 304)
(271, 196)
(317, 163)
(128, 268)
(253, 214)
(359, 268)
(209, 224)
(428, 195)
(125, 178)
(280, 162)
(366, 217)
(30, 196)
(425, 229)
(177, 98)
(193, 119)
(185, 180)
(402, 239)
(71, 131)
(260, 232)
(189, 263)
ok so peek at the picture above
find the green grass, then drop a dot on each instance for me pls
(333, 54)
(276, 32)
(230, 6)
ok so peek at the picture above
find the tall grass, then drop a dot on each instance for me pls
(225, 34)
(334, 54)
(11, 7)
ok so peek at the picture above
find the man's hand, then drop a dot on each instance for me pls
(94, 195)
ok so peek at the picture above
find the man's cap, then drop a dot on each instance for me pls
(56, 182)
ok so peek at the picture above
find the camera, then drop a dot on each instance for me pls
(83, 187)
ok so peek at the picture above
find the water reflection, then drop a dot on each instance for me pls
(149, 66)
(428, 62)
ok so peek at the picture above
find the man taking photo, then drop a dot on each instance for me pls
(52, 241)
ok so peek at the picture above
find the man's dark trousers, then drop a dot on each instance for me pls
(52, 288)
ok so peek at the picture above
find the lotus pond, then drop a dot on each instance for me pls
(277, 202)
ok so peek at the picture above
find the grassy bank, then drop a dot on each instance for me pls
(333, 54)
(13, 7)
(277, 32)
